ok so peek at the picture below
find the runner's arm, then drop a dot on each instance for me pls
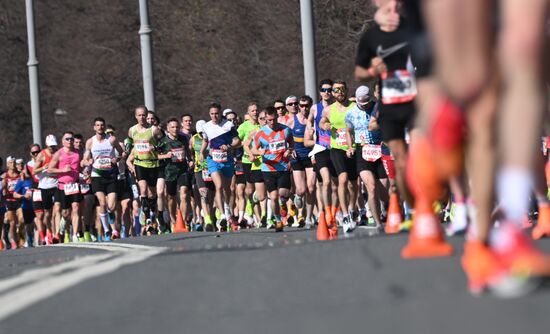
(202, 153)
(40, 166)
(255, 149)
(52, 167)
(87, 158)
(309, 136)
(246, 144)
(130, 163)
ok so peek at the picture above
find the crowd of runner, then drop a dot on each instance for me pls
(424, 130)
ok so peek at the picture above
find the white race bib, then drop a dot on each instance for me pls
(206, 175)
(178, 154)
(71, 189)
(36, 195)
(218, 155)
(341, 139)
(398, 86)
(277, 146)
(372, 152)
(102, 163)
(11, 185)
(142, 147)
(84, 188)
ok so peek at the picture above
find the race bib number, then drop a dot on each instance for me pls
(372, 152)
(84, 188)
(178, 154)
(11, 185)
(218, 155)
(71, 189)
(206, 175)
(398, 86)
(277, 146)
(142, 147)
(102, 163)
(36, 195)
(341, 139)
(239, 169)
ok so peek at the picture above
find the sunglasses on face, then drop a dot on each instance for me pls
(68, 139)
(326, 90)
(279, 108)
(304, 105)
(35, 152)
(338, 90)
(292, 104)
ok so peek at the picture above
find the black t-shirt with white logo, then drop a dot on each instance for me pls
(394, 48)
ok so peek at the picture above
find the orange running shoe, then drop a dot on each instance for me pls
(485, 272)
(520, 254)
(543, 223)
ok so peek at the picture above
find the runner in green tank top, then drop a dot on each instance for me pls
(259, 201)
(143, 161)
(341, 155)
(249, 161)
(203, 180)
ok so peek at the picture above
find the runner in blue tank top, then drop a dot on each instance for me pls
(302, 168)
(323, 167)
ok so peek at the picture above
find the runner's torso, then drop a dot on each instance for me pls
(337, 120)
(102, 153)
(71, 159)
(298, 132)
(144, 147)
(46, 180)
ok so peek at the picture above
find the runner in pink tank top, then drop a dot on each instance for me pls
(65, 164)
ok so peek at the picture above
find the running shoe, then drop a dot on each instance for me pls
(87, 237)
(519, 254)
(371, 223)
(75, 239)
(279, 226)
(107, 236)
(485, 272)
(270, 224)
(459, 220)
(309, 224)
(13, 244)
(49, 238)
(300, 222)
(406, 225)
(209, 227)
(349, 224)
(56, 239)
(234, 223)
(67, 238)
(115, 235)
(263, 222)
(221, 225)
(198, 227)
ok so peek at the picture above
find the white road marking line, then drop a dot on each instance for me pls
(39, 284)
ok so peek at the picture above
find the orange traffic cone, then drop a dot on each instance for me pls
(543, 223)
(322, 229)
(180, 226)
(394, 215)
(426, 239)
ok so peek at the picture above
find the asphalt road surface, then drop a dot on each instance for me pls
(254, 281)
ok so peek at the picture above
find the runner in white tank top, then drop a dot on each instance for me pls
(100, 155)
